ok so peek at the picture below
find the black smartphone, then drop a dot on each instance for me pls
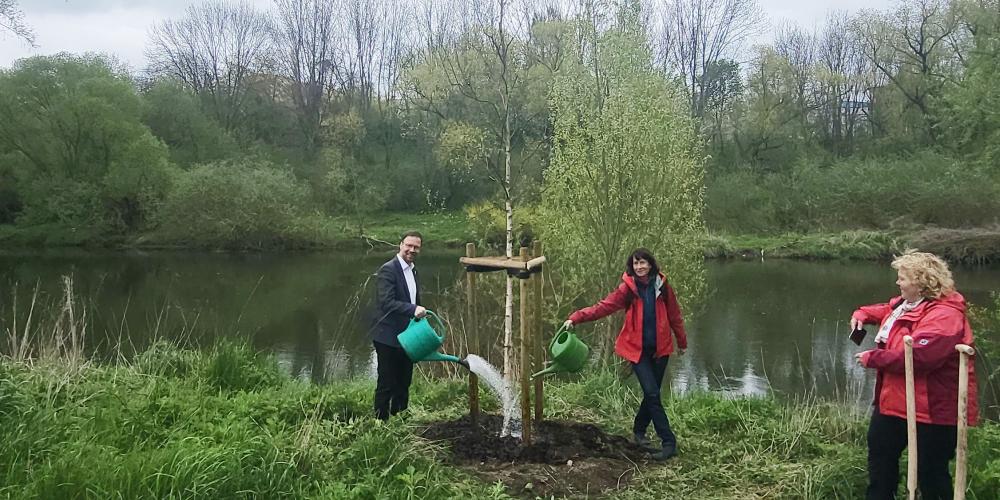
(858, 335)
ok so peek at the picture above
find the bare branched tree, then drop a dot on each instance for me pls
(12, 20)
(843, 83)
(692, 35)
(363, 20)
(304, 35)
(798, 48)
(910, 47)
(215, 49)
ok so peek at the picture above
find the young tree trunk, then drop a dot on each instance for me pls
(508, 309)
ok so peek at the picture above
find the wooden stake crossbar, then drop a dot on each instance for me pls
(515, 264)
(529, 271)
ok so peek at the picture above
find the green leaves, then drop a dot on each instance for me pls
(233, 203)
(71, 125)
(627, 169)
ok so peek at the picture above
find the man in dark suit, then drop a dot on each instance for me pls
(398, 299)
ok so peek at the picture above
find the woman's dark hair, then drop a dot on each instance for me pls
(642, 253)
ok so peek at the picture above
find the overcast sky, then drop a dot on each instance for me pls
(119, 26)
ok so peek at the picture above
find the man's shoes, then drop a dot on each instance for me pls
(668, 451)
(642, 442)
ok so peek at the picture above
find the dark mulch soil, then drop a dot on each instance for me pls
(565, 459)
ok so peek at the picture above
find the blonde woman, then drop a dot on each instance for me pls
(930, 310)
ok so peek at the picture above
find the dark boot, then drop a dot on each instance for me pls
(668, 451)
(641, 441)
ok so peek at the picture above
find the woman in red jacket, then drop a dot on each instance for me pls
(651, 313)
(930, 310)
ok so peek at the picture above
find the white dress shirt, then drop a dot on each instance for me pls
(411, 282)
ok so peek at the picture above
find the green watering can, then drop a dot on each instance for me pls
(421, 342)
(569, 353)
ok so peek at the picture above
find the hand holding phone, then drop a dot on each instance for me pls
(858, 334)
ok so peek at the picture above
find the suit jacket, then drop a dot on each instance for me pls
(393, 307)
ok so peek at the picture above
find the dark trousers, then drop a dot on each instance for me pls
(395, 372)
(886, 442)
(649, 372)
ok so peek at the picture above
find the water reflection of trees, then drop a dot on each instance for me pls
(773, 326)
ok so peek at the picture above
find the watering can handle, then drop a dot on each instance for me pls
(437, 319)
(562, 328)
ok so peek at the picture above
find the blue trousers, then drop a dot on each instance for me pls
(649, 372)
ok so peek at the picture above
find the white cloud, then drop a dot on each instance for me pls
(809, 14)
(119, 31)
(120, 27)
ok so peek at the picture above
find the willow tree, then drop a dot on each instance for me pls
(628, 165)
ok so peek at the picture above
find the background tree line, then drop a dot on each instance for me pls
(254, 126)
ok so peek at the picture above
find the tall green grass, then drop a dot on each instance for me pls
(187, 428)
(225, 422)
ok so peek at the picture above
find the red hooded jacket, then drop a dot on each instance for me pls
(626, 296)
(937, 326)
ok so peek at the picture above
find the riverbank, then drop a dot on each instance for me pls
(445, 229)
(971, 246)
(455, 229)
(209, 424)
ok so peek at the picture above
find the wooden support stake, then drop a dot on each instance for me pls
(962, 445)
(525, 359)
(911, 420)
(471, 329)
(539, 338)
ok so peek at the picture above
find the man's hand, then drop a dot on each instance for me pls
(681, 351)
(420, 312)
(568, 323)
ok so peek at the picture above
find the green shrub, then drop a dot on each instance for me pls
(249, 203)
(488, 222)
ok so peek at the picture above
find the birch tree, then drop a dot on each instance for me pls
(475, 54)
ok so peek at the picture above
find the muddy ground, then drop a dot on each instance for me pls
(565, 459)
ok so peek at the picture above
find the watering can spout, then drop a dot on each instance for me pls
(551, 369)
(437, 356)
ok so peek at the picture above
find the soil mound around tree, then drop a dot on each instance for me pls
(565, 459)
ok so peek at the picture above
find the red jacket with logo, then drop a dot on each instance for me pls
(626, 296)
(937, 326)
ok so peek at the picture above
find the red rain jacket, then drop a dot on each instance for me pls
(937, 326)
(626, 296)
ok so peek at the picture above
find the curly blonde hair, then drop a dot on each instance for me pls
(928, 270)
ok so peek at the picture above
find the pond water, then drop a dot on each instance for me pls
(772, 325)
